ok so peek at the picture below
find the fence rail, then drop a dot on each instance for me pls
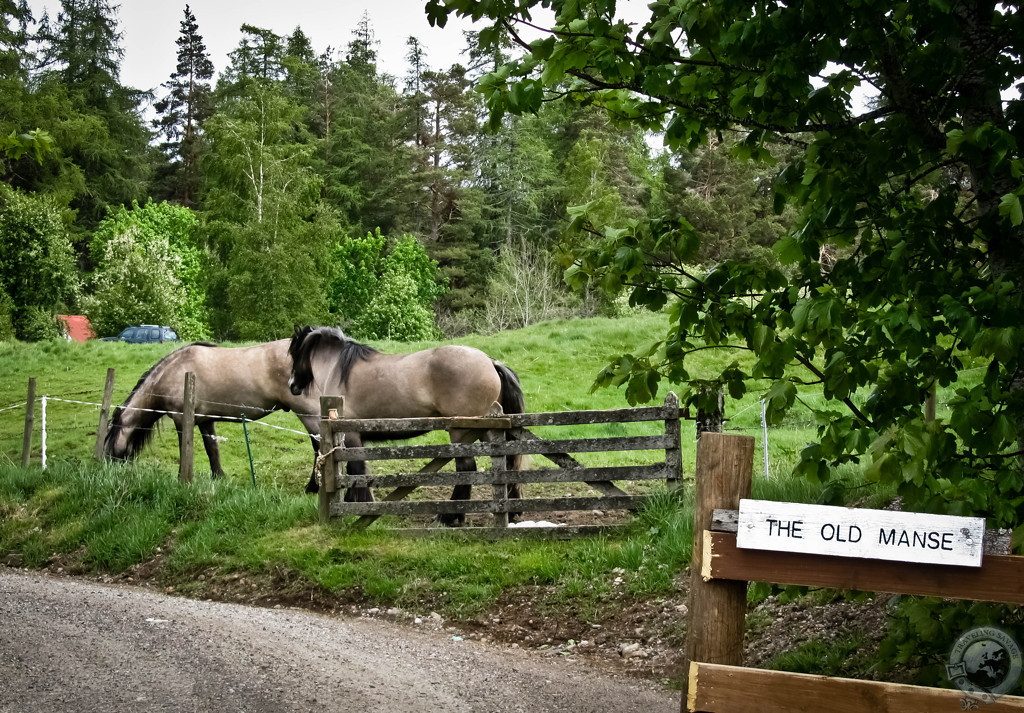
(499, 437)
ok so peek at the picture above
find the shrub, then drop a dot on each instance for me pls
(150, 269)
(385, 289)
(37, 264)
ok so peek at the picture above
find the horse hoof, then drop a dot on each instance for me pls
(452, 519)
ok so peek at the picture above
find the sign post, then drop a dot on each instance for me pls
(856, 532)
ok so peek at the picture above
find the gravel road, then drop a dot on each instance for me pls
(74, 645)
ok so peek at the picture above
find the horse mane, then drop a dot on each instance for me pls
(307, 340)
(141, 433)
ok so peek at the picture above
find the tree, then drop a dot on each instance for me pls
(102, 132)
(263, 199)
(150, 269)
(918, 198)
(921, 194)
(38, 275)
(385, 288)
(259, 55)
(183, 110)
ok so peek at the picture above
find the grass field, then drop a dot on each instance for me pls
(112, 517)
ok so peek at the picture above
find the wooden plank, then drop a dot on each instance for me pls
(654, 471)
(566, 461)
(30, 418)
(564, 532)
(996, 542)
(516, 420)
(716, 688)
(404, 491)
(102, 426)
(473, 450)
(860, 532)
(404, 425)
(717, 609)
(434, 507)
(999, 579)
(188, 422)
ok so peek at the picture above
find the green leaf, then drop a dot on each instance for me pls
(1009, 207)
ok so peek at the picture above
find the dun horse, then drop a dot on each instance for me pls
(443, 381)
(230, 383)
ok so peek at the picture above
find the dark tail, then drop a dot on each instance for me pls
(511, 399)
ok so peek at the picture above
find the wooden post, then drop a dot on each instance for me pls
(101, 429)
(709, 420)
(188, 423)
(331, 408)
(498, 463)
(30, 418)
(673, 455)
(717, 609)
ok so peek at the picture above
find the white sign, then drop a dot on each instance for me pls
(853, 532)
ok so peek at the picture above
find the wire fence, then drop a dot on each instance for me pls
(78, 419)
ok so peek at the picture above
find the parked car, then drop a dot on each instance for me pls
(144, 334)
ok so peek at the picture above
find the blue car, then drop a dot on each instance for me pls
(144, 334)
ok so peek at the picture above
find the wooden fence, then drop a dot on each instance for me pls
(498, 437)
(716, 680)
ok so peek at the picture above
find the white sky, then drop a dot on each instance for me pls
(150, 27)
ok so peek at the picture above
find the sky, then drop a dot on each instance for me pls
(150, 28)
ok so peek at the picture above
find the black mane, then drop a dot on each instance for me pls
(307, 340)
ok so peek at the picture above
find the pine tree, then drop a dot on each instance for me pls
(259, 55)
(105, 136)
(183, 110)
(362, 50)
(15, 17)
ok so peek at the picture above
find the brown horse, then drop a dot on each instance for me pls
(231, 383)
(443, 381)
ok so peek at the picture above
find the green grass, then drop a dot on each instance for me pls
(108, 518)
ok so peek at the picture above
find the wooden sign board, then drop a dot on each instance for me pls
(855, 532)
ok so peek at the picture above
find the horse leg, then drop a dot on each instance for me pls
(313, 486)
(356, 467)
(212, 449)
(463, 491)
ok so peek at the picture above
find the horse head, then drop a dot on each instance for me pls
(304, 347)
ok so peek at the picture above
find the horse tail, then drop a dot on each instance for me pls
(511, 399)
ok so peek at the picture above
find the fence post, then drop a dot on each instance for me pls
(188, 422)
(500, 490)
(717, 608)
(331, 407)
(30, 417)
(710, 413)
(673, 455)
(101, 429)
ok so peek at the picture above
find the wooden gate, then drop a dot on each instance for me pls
(499, 437)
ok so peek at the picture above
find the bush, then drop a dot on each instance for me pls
(36, 324)
(150, 269)
(525, 288)
(37, 264)
(385, 289)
